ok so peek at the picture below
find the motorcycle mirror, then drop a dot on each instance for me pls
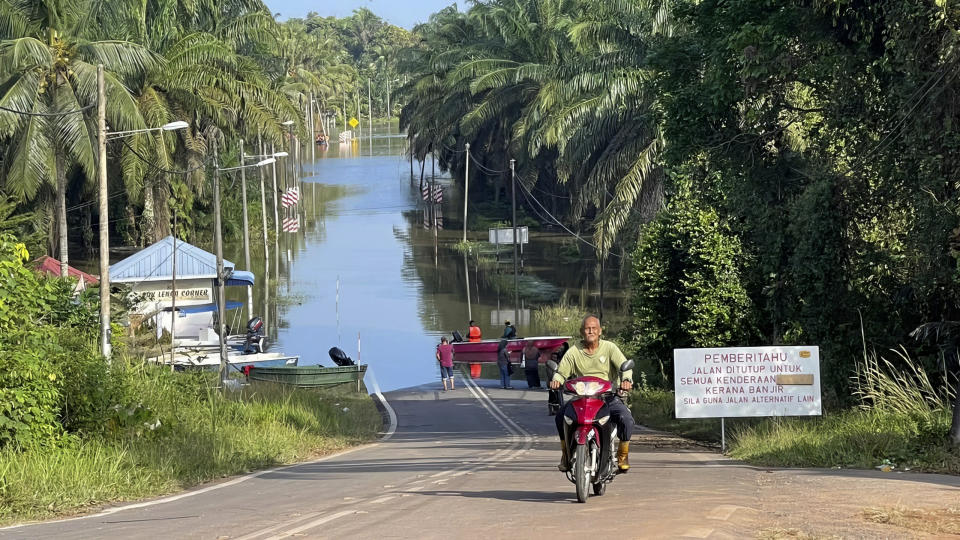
(626, 366)
(552, 365)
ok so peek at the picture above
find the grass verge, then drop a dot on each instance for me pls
(854, 438)
(181, 433)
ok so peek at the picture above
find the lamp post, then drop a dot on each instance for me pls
(102, 136)
(218, 242)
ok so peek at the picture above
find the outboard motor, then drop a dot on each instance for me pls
(339, 357)
(254, 341)
(457, 337)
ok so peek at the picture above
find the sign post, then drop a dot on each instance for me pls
(747, 381)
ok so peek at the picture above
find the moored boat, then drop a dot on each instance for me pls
(210, 359)
(479, 352)
(309, 376)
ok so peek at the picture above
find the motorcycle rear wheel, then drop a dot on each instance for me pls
(581, 476)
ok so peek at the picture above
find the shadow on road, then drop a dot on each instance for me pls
(506, 495)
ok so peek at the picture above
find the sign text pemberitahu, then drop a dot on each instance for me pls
(747, 381)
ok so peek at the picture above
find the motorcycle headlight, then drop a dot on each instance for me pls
(603, 420)
(588, 388)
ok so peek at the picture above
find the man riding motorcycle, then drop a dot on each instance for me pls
(598, 358)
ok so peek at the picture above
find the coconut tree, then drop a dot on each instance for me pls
(48, 76)
(212, 76)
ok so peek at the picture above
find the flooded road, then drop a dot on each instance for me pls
(367, 272)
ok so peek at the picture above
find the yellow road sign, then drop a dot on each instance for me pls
(354, 122)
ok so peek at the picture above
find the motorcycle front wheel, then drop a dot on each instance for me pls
(581, 476)
(599, 488)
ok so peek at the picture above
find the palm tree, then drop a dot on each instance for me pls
(211, 77)
(48, 74)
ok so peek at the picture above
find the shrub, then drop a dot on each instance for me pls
(687, 281)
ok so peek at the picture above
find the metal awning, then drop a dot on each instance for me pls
(241, 278)
(203, 308)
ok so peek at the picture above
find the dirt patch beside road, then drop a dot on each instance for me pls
(823, 503)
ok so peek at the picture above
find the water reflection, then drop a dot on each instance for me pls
(365, 226)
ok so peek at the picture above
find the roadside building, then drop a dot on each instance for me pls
(149, 276)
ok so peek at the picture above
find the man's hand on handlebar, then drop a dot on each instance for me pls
(554, 385)
(626, 385)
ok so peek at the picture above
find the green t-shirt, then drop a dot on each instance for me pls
(604, 363)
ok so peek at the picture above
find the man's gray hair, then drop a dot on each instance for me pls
(583, 323)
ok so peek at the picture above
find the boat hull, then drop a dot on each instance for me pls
(211, 359)
(485, 351)
(309, 376)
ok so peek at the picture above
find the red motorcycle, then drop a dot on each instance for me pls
(589, 437)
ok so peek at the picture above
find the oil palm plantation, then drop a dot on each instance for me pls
(558, 85)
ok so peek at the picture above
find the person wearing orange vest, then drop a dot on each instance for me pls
(473, 333)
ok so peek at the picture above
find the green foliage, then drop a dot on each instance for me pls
(29, 399)
(42, 329)
(687, 282)
(560, 319)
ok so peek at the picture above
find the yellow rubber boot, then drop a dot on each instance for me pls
(563, 466)
(623, 454)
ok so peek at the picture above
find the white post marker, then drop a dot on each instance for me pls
(747, 381)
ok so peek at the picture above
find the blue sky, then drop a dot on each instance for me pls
(403, 13)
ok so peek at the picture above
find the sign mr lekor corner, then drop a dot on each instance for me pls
(747, 381)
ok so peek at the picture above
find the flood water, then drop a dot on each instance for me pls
(366, 272)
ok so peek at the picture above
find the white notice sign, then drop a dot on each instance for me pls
(747, 381)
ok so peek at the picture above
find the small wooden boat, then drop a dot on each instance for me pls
(309, 376)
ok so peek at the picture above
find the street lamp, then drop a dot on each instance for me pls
(102, 136)
(171, 126)
(218, 241)
(260, 156)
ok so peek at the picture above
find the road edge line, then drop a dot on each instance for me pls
(391, 414)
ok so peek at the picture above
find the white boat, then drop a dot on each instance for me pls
(208, 358)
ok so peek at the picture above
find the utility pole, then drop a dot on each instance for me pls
(218, 244)
(603, 260)
(313, 136)
(105, 347)
(173, 296)
(276, 212)
(516, 280)
(369, 109)
(263, 214)
(344, 112)
(246, 231)
(466, 191)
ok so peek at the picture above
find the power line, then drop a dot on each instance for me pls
(483, 168)
(561, 225)
(64, 113)
(88, 203)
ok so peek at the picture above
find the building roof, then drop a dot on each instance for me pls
(155, 263)
(50, 266)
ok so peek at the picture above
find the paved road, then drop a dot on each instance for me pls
(480, 462)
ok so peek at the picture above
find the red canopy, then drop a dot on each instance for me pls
(50, 266)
